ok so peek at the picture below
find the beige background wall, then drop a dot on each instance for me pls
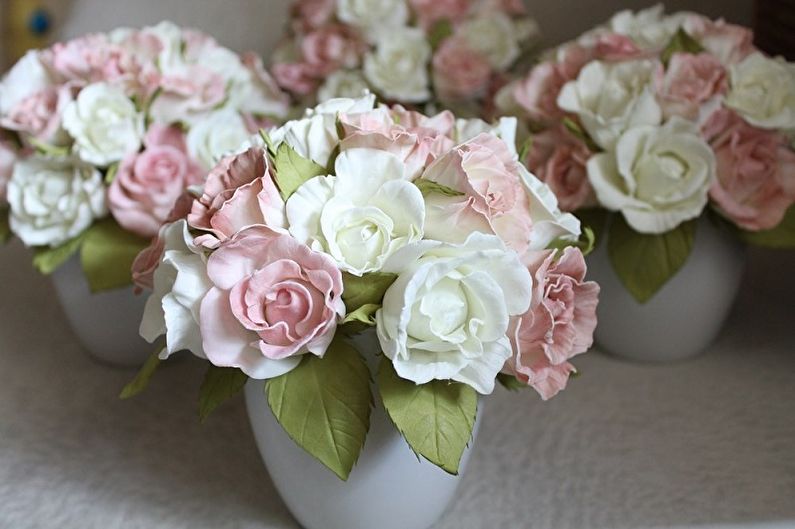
(257, 24)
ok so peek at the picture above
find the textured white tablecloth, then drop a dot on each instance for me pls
(703, 444)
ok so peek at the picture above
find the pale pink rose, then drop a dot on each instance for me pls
(756, 171)
(559, 324)
(40, 113)
(487, 174)
(416, 141)
(148, 184)
(459, 72)
(296, 77)
(273, 299)
(239, 192)
(266, 85)
(429, 12)
(538, 92)
(330, 48)
(8, 157)
(559, 159)
(690, 81)
(312, 14)
(728, 42)
(614, 47)
(196, 91)
(146, 262)
(442, 123)
(81, 59)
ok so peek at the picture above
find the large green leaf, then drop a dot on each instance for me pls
(324, 406)
(219, 385)
(643, 262)
(291, 170)
(435, 418)
(47, 260)
(368, 289)
(141, 380)
(681, 42)
(107, 255)
(782, 236)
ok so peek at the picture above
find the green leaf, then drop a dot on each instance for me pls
(110, 174)
(439, 32)
(429, 186)
(681, 42)
(141, 380)
(585, 243)
(360, 319)
(47, 149)
(5, 228)
(219, 385)
(107, 255)
(524, 150)
(578, 132)
(368, 289)
(782, 236)
(644, 262)
(268, 142)
(324, 406)
(596, 219)
(292, 170)
(46, 260)
(435, 418)
(510, 382)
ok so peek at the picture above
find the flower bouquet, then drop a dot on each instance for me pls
(667, 120)
(361, 241)
(453, 53)
(101, 135)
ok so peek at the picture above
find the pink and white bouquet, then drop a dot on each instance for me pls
(103, 133)
(424, 232)
(661, 117)
(452, 53)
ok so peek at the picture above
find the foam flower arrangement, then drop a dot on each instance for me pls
(103, 133)
(453, 53)
(663, 118)
(425, 232)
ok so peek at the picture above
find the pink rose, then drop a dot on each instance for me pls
(417, 141)
(312, 14)
(148, 184)
(559, 324)
(8, 157)
(81, 59)
(273, 300)
(146, 262)
(689, 82)
(196, 91)
(756, 171)
(728, 42)
(614, 47)
(331, 48)
(494, 198)
(296, 77)
(459, 72)
(559, 159)
(239, 192)
(430, 12)
(40, 113)
(538, 92)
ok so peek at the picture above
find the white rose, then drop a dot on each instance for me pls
(104, 124)
(446, 316)
(398, 68)
(609, 98)
(180, 284)
(763, 91)
(54, 200)
(495, 36)
(658, 177)
(342, 83)
(649, 28)
(373, 16)
(315, 136)
(504, 128)
(363, 214)
(27, 77)
(216, 135)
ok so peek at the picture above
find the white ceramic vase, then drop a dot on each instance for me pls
(106, 323)
(685, 315)
(389, 488)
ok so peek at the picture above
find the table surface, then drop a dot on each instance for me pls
(705, 443)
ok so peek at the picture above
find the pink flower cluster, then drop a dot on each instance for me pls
(175, 82)
(755, 182)
(325, 40)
